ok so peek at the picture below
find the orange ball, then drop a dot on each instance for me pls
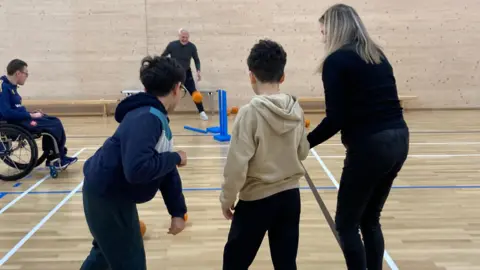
(197, 97)
(143, 228)
(307, 123)
(234, 109)
(185, 217)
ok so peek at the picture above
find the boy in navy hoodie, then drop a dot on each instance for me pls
(131, 167)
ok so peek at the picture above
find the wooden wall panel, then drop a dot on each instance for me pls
(80, 51)
(75, 49)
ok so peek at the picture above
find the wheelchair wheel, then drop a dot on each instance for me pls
(40, 161)
(18, 150)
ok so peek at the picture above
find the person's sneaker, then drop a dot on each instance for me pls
(203, 116)
(66, 161)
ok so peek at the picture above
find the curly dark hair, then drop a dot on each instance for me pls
(267, 61)
(159, 75)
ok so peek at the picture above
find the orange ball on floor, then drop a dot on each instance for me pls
(197, 97)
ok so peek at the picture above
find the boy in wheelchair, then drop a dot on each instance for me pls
(12, 111)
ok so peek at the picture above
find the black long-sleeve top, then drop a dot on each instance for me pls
(360, 98)
(183, 53)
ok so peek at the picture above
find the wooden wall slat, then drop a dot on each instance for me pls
(92, 49)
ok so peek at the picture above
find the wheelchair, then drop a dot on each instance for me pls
(14, 140)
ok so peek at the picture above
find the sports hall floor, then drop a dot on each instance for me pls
(431, 220)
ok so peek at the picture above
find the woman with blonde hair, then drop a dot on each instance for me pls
(361, 102)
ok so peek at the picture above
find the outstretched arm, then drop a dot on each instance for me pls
(168, 50)
(196, 59)
(335, 87)
(172, 193)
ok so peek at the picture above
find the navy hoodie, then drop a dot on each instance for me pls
(138, 160)
(11, 108)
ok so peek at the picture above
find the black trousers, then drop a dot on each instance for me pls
(370, 167)
(190, 85)
(117, 240)
(278, 214)
(51, 125)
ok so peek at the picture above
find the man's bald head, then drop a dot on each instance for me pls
(183, 35)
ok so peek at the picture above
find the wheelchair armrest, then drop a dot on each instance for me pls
(34, 135)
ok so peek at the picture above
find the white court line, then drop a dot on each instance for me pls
(386, 256)
(327, 171)
(10, 204)
(39, 225)
(337, 157)
(95, 147)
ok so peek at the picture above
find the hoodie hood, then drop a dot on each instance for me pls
(281, 111)
(136, 101)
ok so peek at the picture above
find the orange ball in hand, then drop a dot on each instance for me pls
(197, 97)
(234, 109)
(143, 228)
(307, 123)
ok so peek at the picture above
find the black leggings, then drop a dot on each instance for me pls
(190, 85)
(370, 167)
(278, 214)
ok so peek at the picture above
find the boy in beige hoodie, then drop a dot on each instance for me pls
(264, 165)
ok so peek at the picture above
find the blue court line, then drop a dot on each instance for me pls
(3, 193)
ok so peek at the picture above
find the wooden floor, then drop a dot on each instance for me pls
(431, 221)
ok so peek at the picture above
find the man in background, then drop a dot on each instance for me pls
(183, 51)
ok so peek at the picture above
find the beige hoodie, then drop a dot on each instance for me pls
(268, 143)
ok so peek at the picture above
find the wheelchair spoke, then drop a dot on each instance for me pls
(18, 151)
(11, 163)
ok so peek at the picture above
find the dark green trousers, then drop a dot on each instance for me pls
(114, 225)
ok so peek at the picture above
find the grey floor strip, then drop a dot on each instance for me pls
(322, 205)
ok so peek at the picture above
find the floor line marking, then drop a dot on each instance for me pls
(4, 193)
(386, 256)
(23, 194)
(95, 147)
(341, 156)
(38, 226)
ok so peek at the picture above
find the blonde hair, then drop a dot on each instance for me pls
(343, 26)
